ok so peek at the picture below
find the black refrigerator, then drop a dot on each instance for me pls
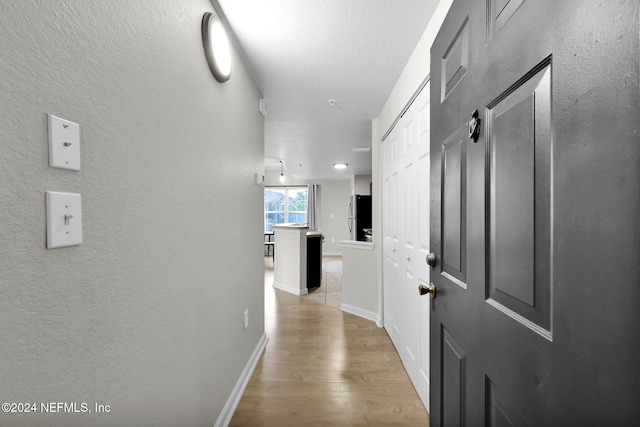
(359, 217)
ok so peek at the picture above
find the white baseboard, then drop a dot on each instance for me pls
(378, 321)
(232, 402)
(366, 314)
(290, 289)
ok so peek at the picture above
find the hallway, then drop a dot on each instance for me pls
(323, 367)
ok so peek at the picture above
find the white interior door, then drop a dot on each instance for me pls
(390, 239)
(405, 172)
(421, 230)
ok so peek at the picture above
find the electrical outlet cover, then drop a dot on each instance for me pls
(64, 144)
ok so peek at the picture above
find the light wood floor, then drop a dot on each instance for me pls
(330, 290)
(323, 367)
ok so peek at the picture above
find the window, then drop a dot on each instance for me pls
(284, 204)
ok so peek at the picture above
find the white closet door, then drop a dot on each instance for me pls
(405, 173)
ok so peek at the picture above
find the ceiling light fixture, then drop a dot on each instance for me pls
(361, 149)
(340, 165)
(216, 47)
(281, 171)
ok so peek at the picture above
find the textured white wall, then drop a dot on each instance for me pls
(360, 282)
(334, 199)
(146, 316)
(362, 184)
(415, 71)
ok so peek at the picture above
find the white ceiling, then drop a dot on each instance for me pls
(303, 53)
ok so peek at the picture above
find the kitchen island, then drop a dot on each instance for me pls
(298, 263)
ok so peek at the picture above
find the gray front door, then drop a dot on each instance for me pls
(536, 220)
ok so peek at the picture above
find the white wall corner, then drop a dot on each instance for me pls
(232, 402)
(291, 289)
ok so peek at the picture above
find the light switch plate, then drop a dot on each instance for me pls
(64, 143)
(64, 219)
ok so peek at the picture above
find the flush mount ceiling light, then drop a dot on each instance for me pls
(216, 47)
(340, 165)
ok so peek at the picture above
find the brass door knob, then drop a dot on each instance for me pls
(431, 259)
(431, 290)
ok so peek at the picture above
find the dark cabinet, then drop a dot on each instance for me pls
(314, 260)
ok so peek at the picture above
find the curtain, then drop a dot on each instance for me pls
(312, 195)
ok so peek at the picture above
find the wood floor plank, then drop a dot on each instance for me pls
(324, 367)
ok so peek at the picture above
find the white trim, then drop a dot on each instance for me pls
(454, 280)
(232, 402)
(290, 289)
(355, 244)
(366, 314)
(406, 107)
(521, 319)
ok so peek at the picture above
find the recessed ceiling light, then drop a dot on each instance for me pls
(340, 165)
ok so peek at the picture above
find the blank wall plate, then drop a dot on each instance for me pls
(64, 143)
(64, 219)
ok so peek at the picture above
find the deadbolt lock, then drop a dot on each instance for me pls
(431, 259)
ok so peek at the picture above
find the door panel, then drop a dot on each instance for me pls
(407, 207)
(391, 270)
(422, 107)
(500, 412)
(455, 61)
(454, 207)
(500, 11)
(519, 207)
(535, 225)
(454, 382)
(408, 137)
(408, 350)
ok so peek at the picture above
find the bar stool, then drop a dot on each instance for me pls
(269, 244)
